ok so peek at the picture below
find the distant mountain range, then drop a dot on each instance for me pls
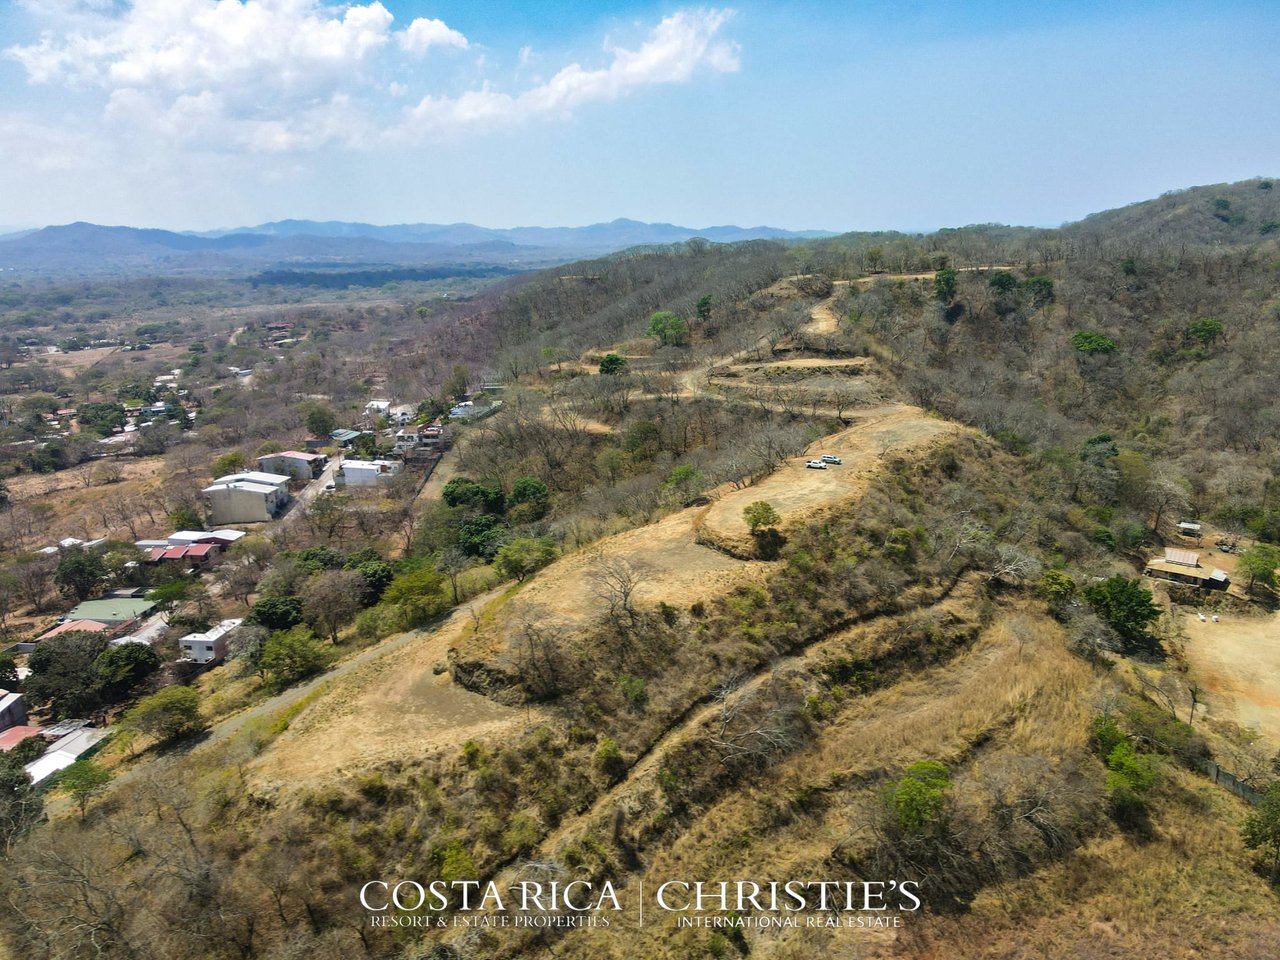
(90, 248)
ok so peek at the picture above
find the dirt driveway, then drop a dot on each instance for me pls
(1238, 661)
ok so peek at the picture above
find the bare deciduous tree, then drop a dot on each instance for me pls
(614, 581)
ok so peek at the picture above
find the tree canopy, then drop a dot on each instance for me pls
(612, 364)
(667, 327)
(1125, 604)
(760, 515)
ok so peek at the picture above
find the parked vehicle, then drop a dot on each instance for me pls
(816, 465)
(831, 458)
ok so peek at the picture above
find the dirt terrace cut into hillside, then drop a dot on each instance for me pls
(391, 707)
(798, 492)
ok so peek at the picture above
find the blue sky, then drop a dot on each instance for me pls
(857, 115)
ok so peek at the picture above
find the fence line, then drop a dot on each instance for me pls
(1227, 779)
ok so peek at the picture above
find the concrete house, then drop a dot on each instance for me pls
(210, 646)
(294, 463)
(250, 497)
(13, 710)
(377, 408)
(368, 473)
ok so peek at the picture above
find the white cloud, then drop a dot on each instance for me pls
(676, 48)
(423, 34)
(298, 75)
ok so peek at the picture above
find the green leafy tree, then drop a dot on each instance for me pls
(377, 575)
(919, 799)
(21, 804)
(277, 613)
(418, 595)
(703, 309)
(456, 386)
(320, 421)
(760, 515)
(609, 760)
(461, 492)
(1261, 829)
(231, 462)
(1058, 590)
(120, 671)
(167, 595)
(523, 556)
(685, 483)
(481, 536)
(83, 781)
(612, 364)
(9, 673)
(531, 494)
(64, 674)
(1125, 604)
(946, 283)
(1091, 342)
(1130, 776)
(80, 574)
(320, 558)
(1002, 281)
(167, 715)
(667, 327)
(1205, 330)
(1039, 290)
(292, 655)
(186, 517)
(1259, 564)
(100, 418)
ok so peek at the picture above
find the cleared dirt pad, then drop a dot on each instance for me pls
(673, 568)
(1238, 661)
(391, 707)
(797, 492)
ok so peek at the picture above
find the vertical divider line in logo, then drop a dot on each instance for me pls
(642, 901)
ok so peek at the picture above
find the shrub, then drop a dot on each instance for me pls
(167, 715)
(277, 613)
(608, 760)
(612, 364)
(1091, 342)
(292, 655)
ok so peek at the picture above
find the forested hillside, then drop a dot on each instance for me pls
(777, 560)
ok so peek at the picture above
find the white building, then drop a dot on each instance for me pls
(377, 408)
(13, 710)
(64, 752)
(295, 463)
(368, 473)
(210, 646)
(278, 480)
(249, 497)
